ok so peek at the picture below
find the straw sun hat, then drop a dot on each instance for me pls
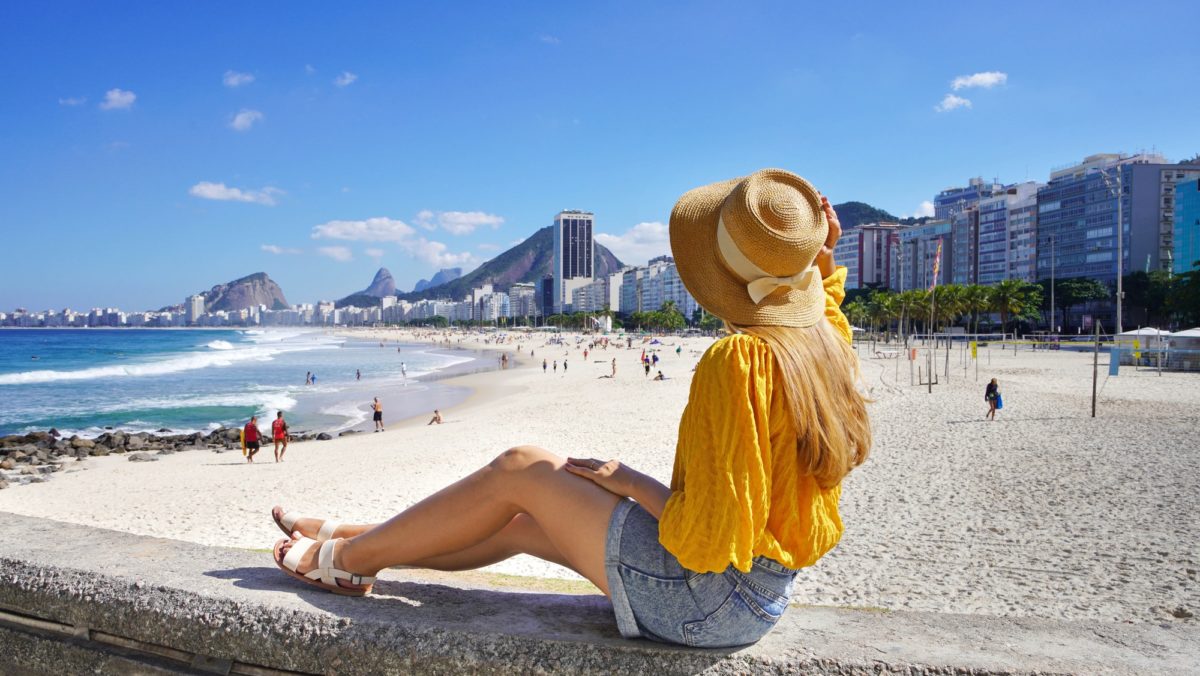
(745, 249)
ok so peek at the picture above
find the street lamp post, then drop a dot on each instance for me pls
(1120, 243)
(1053, 316)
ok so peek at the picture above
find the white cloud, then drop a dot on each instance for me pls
(951, 102)
(345, 79)
(73, 101)
(457, 222)
(925, 210)
(377, 229)
(488, 247)
(375, 253)
(639, 244)
(118, 99)
(438, 254)
(549, 39)
(338, 253)
(245, 119)
(277, 250)
(219, 191)
(233, 78)
(984, 80)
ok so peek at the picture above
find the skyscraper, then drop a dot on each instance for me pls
(573, 254)
(194, 308)
(1186, 243)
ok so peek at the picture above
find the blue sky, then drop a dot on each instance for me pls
(151, 150)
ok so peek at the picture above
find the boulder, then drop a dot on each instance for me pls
(62, 444)
(54, 433)
(99, 450)
(80, 442)
(163, 430)
(165, 451)
(135, 442)
(233, 435)
(324, 436)
(7, 463)
(142, 457)
(3, 484)
(347, 433)
(116, 440)
(49, 469)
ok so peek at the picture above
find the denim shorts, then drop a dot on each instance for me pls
(656, 598)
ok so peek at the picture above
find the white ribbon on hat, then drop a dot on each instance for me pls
(759, 282)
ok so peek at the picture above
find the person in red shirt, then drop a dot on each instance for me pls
(251, 436)
(279, 434)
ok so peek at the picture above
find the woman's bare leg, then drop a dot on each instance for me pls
(570, 512)
(522, 535)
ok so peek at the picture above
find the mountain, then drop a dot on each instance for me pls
(528, 261)
(382, 285)
(852, 214)
(249, 291)
(444, 275)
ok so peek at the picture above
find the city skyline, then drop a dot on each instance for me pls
(146, 163)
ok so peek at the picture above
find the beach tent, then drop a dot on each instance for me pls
(1147, 339)
(1185, 350)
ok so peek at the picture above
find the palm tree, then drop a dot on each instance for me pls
(975, 300)
(857, 312)
(1015, 298)
(949, 304)
(882, 305)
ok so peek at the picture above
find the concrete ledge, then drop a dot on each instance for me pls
(75, 599)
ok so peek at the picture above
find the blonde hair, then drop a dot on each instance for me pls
(819, 372)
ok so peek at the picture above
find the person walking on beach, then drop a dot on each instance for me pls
(992, 396)
(251, 437)
(378, 416)
(543, 365)
(437, 418)
(646, 364)
(279, 434)
(357, 374)
(556, 366)
(691, 563)
(564, 367)
(403, 371)
(308, 378)
(614, 367)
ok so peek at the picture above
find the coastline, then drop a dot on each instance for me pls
(1046, 512)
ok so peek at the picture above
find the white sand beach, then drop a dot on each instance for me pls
(1046, 512)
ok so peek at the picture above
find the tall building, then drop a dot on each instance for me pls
(963, 249)
(521, 298)
(1022, 235)
(954, 200)
(866, 251)
(194, 308)
(1078, 209)
(573, 255)
(914, 253)
(545, 297)
(1004, 217)
(1186, 239)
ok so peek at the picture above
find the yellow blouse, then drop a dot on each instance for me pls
(737, 492)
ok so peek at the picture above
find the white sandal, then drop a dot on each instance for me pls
(324, 575)
(287, 524)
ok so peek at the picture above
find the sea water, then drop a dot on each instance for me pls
(84, 381)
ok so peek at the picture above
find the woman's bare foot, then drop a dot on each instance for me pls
(309, 527)
(310, 561)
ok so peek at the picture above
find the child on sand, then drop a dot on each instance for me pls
(694, 563)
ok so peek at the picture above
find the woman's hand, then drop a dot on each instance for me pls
(612, 476)
(824, 259)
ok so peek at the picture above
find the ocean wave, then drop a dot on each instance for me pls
(353, 413)
(220, 345)
(185, 362)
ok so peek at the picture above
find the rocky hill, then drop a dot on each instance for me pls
(444, 275)
(382, 285)
(249, 291)
(528, 261)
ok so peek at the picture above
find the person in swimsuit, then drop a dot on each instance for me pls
(279, 433)
(773, 424)
(378, 408)
(251, 436)
(991, 394)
